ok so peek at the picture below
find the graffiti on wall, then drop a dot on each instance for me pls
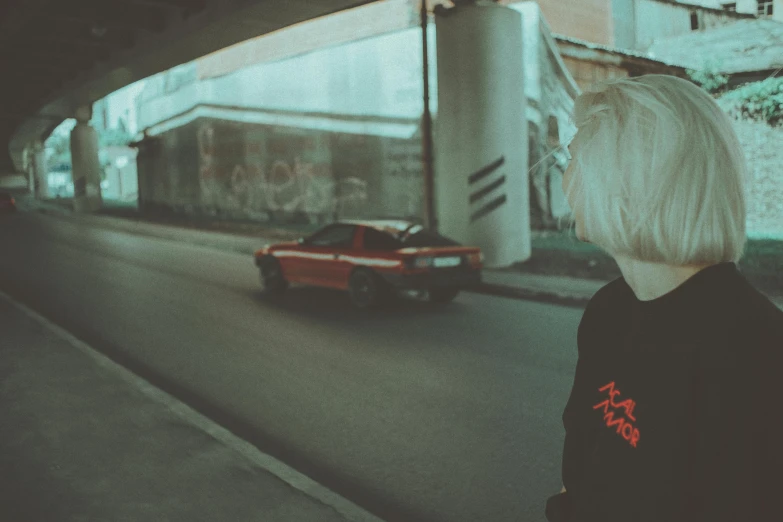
(247, 182)
(404, 177)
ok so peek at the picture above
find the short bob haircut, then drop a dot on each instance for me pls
(658, 173)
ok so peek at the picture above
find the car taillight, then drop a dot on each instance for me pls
(476, 259)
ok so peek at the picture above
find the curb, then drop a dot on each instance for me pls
(515, 292)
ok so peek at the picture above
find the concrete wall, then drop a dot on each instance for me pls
(624, 26)
(279, 174)
(168, 167)
(765, 180)
(589, 20)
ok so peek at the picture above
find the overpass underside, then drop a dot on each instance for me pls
(65, 54)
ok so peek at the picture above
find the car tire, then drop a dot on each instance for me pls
(443, 295)
(271, 274)
(366, 289)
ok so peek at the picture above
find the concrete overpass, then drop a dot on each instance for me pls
(60, 55)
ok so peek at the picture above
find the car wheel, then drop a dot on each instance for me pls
(366, 289)
(443, 295)
(271, 274)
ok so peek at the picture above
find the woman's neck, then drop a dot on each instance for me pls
(652, 280)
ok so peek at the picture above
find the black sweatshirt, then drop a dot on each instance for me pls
(676, 411)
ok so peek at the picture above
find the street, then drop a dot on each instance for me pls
(416, 413)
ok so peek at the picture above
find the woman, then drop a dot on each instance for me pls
(675, 413)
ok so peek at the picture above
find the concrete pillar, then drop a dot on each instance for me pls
(481, 182)
(148, 164)
(39, 171)
(85, 164)
(29, 171)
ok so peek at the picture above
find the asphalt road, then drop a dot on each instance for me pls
(417, 413)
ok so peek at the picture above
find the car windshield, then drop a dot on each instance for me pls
(418, 236)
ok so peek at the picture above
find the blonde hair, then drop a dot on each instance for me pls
(659, 174)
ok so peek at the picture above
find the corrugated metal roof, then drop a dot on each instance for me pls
(611, 50)
(744, 46)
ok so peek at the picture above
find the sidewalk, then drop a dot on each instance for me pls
(561, 290)
(84, 440)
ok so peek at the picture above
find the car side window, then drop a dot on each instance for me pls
(337, 236)
(380, 241)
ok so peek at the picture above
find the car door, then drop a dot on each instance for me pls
(378, 247)
(289, 256)
(320, 262)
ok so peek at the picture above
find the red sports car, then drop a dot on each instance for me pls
(372, 260)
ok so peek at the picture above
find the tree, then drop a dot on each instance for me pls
(761, 101)
(709, 78)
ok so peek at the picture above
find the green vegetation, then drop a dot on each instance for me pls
(709, 78)
(761, 101)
